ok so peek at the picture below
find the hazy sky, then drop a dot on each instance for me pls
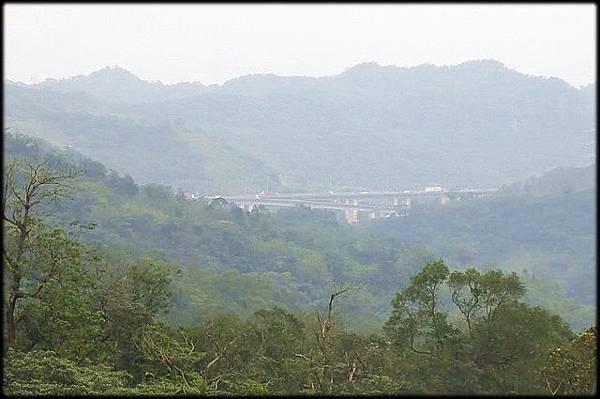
(214, 43)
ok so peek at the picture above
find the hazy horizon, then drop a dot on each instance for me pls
(212, 44)
(270, 73)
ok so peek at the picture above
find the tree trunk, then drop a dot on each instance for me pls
(11, 322)
(11, 326)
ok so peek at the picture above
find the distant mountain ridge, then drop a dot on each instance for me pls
(478, 123)
(109, 79)
(116, 84)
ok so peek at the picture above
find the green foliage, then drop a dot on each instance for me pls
(171, 361)
(551, 294)
(164, 387)
(134, 293)
(416, 315)
(571, 369)
(496, 343)
(46, 373)
(548, 232)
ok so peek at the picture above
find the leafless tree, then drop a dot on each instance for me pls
(25, 186)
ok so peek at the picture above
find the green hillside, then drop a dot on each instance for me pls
(294, 257)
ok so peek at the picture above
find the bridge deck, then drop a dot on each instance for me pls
(355, 195)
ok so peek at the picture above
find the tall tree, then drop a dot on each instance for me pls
(32, 261)
(416, 314)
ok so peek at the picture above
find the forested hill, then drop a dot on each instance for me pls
(232, 261)
(241, 262)
(558, 181)
(116, 288)
(545, 225)
(474, 124)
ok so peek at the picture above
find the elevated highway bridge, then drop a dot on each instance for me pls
(374, 203)
(361, 194)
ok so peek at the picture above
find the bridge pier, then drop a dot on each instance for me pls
(351, 214)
